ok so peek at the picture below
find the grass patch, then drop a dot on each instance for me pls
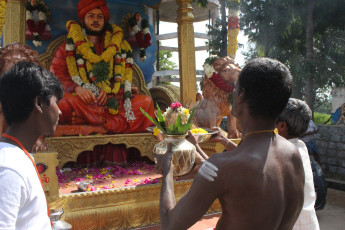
(321, 118)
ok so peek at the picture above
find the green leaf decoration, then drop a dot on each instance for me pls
(171, 129)
(154, 121)
(101, 71)
(190, 119)
(160, 117)
(113, 103)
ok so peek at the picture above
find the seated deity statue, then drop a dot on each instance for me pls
(95, 66)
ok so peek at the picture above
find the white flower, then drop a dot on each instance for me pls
(42, 16)
(70, 47)
(209, 70)
(123, 55)
(143, 58)
(118, 56)
(136, 29)
(77, 80)
(37, 43)
(129, 60)
(167, 112)
(128, 86)
(146, 31)
(128, 108)
(28, 15)
(94, 89)
(80, 61)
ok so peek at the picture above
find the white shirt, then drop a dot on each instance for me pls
(23, 205)
(307, 218)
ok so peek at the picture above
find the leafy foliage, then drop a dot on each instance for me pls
(219, 31)
(277, 29)
(322, 118)
(165, 63)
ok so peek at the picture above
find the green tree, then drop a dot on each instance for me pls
(219, 31)
(308, 36)
(165, 63)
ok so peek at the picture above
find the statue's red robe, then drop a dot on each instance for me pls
(76, 113)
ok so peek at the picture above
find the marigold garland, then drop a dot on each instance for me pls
(233, 30)
(3, 6)
(95, 72)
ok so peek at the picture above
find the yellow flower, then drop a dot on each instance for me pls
(185, 111)
(156, 131)
(198, 130)
(113, 111)
(89, 176)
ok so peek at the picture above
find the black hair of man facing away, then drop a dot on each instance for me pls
(260, 183)
(29, 95)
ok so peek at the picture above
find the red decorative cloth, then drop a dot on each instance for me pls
(85, 6)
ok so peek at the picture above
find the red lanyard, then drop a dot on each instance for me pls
(26, 152)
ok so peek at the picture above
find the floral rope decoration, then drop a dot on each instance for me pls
(3, 6)
(233, 29)
(95, 72)
(38, 28)
(142, 34)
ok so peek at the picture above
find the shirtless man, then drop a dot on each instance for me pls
(260, 183)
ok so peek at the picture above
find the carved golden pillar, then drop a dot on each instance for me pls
(15, 22)
(186, 50)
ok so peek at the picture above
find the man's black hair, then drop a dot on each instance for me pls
(21, 84)
(267, 84)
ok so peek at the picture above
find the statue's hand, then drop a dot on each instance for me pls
(102, 98)
(134, 90)
(85, 95)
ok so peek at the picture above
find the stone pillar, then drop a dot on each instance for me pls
(15, 22)
(186, 50)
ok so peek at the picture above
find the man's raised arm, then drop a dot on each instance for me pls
(195, 203)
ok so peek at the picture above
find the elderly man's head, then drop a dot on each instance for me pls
(294, 119)
(93, 15)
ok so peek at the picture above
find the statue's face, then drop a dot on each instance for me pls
(137, 17)
(94, 20)
(12, 58)
(33, 2)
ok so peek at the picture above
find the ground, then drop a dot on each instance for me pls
(330, 218)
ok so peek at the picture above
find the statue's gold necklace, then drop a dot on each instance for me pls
(275, 131)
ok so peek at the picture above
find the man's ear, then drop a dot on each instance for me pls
(38, 102)
(241, 96)
(282, 127)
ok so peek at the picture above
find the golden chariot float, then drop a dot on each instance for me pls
(118, 208)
